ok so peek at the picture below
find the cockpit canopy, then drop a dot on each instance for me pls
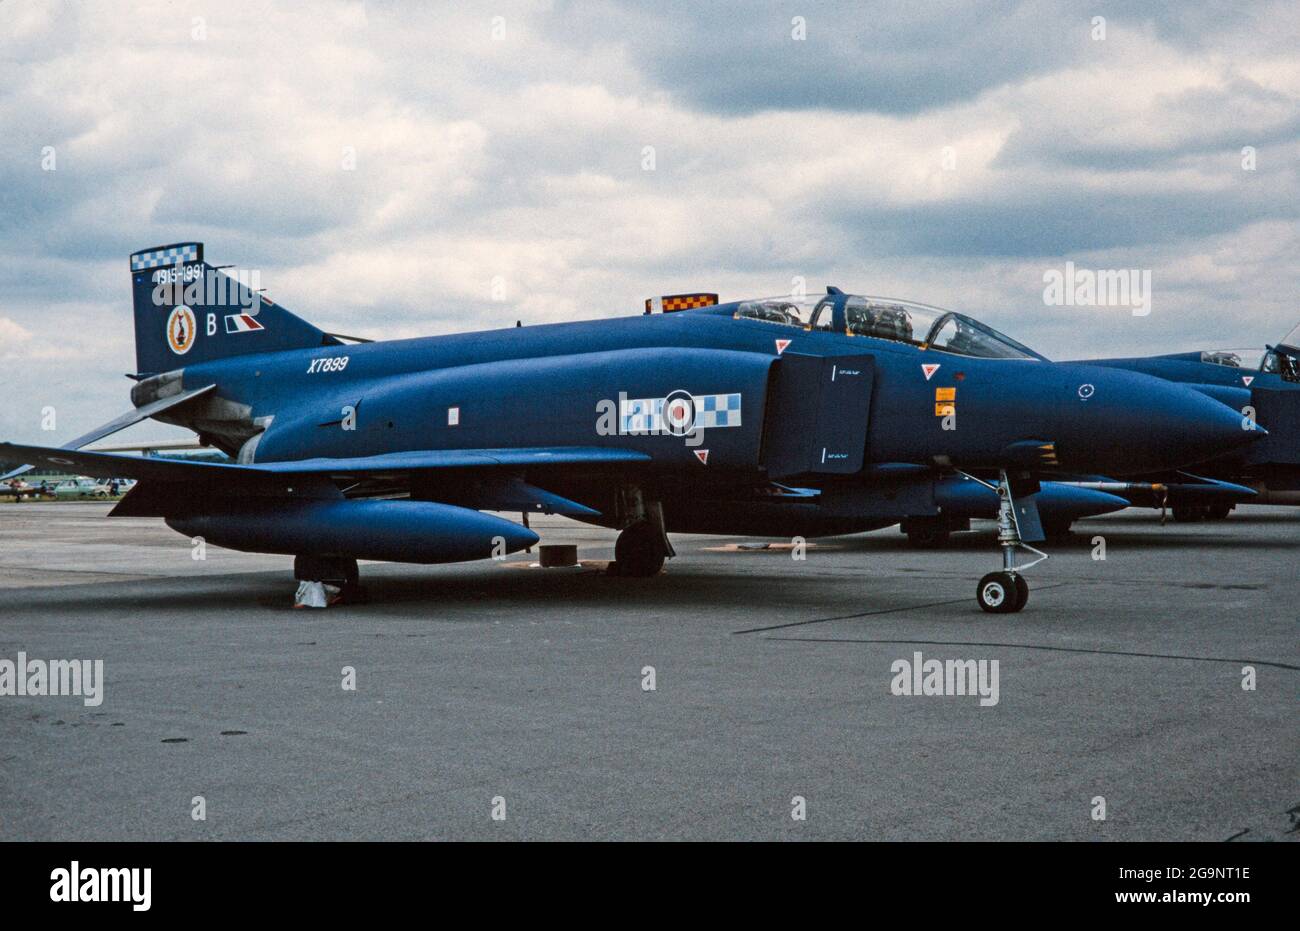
(1282, 359)
(810, 313)
(891, 319)
(1233, 358)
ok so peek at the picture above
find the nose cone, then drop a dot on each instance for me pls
(1128, 423)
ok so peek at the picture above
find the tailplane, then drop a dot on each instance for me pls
(187, 311)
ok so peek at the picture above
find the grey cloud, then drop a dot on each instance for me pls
(893, 58)
(1194, 122)
(1060, 222)
(1246, 28)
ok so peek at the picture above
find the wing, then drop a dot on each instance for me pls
(116, 465)
(166, 483)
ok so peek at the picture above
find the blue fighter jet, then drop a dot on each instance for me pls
(787, 416)
(1262, 386)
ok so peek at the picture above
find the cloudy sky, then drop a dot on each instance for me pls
(383, 163)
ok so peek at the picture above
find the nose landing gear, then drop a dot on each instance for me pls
(1006, 591)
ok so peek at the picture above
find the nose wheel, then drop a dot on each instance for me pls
(1002, 592)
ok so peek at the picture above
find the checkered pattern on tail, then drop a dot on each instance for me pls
(166, 256)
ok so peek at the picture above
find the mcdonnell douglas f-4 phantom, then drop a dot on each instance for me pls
(1264, 385)
(806, 416)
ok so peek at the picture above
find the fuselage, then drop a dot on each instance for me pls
(546, 385)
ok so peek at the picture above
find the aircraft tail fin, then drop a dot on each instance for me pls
(188, 311)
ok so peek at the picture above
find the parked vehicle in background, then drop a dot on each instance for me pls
(82, 488)
(18, 490)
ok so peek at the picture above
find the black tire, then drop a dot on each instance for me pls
(638, 552)
(1218, 511)
(1022, 592)
(998, 593)
(1188, 513)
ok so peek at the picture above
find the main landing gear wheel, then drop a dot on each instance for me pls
(639, 551)
(340, 572)
(1002, 592)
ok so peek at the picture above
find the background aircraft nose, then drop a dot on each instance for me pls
(1129, 423)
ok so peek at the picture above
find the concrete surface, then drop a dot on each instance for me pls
(1122, 679)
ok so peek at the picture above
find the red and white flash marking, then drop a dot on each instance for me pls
(242, 323)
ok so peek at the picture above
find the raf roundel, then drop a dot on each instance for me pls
(679, 413)
(181, 330)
